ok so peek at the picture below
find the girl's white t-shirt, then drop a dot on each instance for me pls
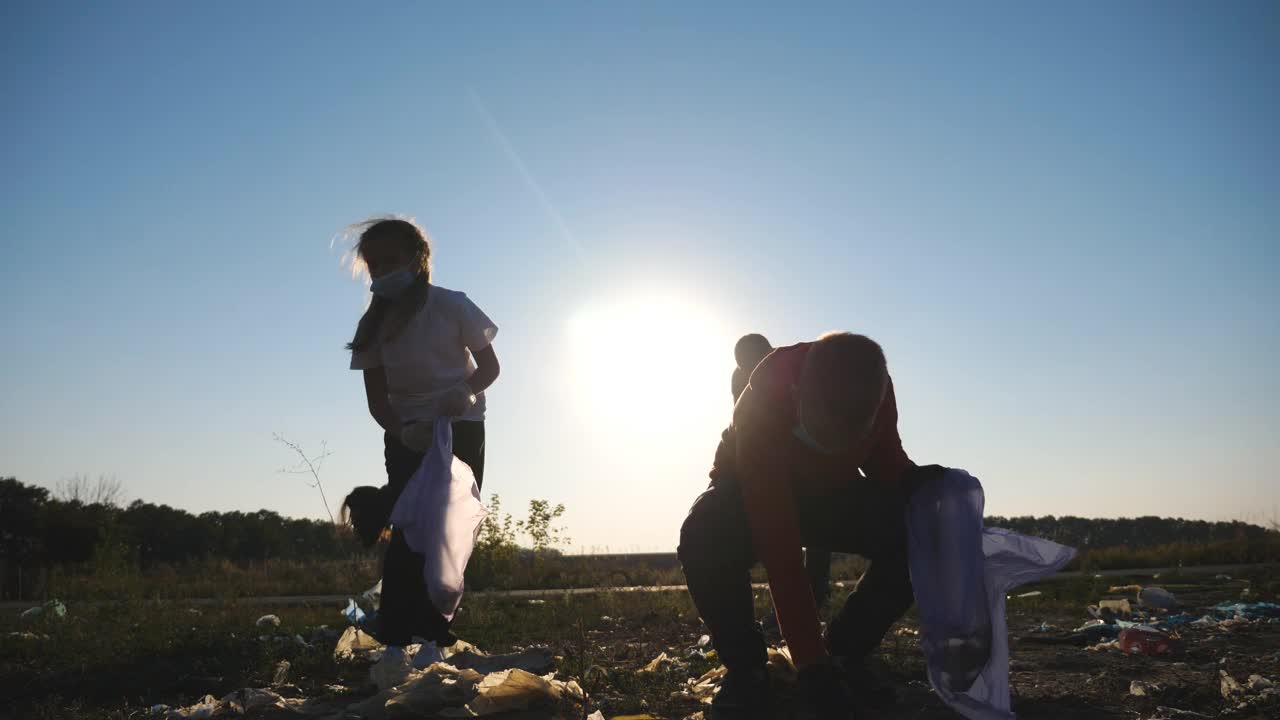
(432, 355)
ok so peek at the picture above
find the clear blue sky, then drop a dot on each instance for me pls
(1063, 224)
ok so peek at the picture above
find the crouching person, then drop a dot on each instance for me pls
(786, 476)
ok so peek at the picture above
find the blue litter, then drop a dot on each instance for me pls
(354, 614)
(1248, 611)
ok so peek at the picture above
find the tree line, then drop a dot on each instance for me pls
(40, 530)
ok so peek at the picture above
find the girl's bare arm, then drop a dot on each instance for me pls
(375, 390)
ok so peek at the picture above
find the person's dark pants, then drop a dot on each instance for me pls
(406, 610)
(817, 565)
(862, 517)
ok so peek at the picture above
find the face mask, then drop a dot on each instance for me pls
(802, 434)
(393, 284)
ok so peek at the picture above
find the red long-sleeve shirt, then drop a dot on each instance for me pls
(770, 465)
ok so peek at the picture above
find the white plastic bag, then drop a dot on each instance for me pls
(439, 511)
(960, 573)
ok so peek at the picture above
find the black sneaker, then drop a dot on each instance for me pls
(869, 691)
(743, 696)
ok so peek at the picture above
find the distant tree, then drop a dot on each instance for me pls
(539, 526)
(20, 531)
(80, 489)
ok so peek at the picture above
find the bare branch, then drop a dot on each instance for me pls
(78, 488)
(308, 466)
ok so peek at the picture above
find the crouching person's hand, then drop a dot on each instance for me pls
(824, 694)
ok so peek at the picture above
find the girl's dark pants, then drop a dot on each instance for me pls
(406, 611)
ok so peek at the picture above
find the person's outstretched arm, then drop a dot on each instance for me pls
(763, 475)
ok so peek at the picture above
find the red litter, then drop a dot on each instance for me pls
(1145, 642)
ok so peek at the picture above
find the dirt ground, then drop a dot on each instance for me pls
(1057, 681)
(119, 661)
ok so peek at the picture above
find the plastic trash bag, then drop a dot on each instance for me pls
(354, 614)
(960, 572)
(439, 511)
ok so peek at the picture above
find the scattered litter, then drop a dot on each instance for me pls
(1248, 611)
(1228, 686)
(1033, 593)
(704, 641)
(1226, 616)
(469, 683)
(518, 689)
(265, 620)
(392, 669)
(54, 607)
(704, 688)
(242, 702)
(1157, 597)
(538, 660)
(353, 613)
(200, 711)
(535, 601)
(1169, 713)
(1125, 589)
(1258, 691)
(355, 644)
(906, 632)
(1222, 578)
(1140, 688)
(1145, 641)
(282, 673)
(24, 635)
(245, 701)
(662, 663)
(1119, 606)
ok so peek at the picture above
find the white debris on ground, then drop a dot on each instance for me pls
(467, 683)
(662, 662)
(268, 621)
(1257, 692)
(1140, 688)
(356, 644)
(703, 689)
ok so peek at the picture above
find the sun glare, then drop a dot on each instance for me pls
(648, 365)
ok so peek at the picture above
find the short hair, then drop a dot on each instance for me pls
(750, 350)
(847, 375)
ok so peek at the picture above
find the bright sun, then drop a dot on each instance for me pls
(644, 365)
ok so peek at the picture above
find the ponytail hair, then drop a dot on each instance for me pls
(385, 319)
(367, 509)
